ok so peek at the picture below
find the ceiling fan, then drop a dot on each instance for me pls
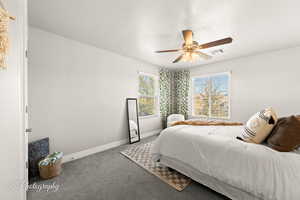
(190, 49)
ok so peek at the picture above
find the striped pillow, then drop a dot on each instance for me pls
(259, 126)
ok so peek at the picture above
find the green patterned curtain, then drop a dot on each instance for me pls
(165, 89)
(174, 91)
(181, 83)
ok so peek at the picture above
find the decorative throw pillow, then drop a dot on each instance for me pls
(286, 134)
(259, 126)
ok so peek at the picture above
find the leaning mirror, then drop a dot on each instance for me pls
(133, 120)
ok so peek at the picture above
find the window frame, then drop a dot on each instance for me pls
(193, 93)
(156, 95)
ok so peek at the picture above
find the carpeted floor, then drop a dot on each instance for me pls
(110, 176)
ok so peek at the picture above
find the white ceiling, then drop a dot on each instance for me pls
(136, 28)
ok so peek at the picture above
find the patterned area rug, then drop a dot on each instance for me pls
(140, 154)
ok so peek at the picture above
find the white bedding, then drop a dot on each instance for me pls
(214, 151)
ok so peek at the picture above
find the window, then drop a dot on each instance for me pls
(148, 98)
(211, 96)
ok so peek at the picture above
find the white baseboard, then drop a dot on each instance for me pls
(87, 152)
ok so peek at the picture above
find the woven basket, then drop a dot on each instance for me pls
(51, 170)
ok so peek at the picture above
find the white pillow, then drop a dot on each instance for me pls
(259, 126)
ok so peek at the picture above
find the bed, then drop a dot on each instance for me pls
(213, 157)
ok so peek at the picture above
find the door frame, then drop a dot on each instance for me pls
(24, 92)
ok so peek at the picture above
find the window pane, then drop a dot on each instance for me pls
(146, 85)
(146, 106)
(201, 96)
(147, 95)
(219, 96)
(201, 106)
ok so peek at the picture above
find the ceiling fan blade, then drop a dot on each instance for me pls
(188, 36)
(164, 51)
(203, 55)
(216, 43)
(178, 59)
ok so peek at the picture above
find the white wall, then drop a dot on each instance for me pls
(12, 169)
(269, 79)
(77, 93)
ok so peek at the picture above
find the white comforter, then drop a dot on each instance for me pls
(214, 151)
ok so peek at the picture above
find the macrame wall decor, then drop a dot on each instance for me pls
(4, 38)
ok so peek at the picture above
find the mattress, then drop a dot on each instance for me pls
(213, 151)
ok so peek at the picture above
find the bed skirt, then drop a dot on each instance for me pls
(211, 182)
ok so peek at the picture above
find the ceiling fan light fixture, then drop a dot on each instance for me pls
(190, 49)
(194, 56)
(185, 57)
(190, 57)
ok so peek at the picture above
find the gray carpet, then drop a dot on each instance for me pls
(110, 176)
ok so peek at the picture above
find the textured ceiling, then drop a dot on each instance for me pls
(136, 28)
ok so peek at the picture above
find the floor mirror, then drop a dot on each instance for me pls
(133, 120)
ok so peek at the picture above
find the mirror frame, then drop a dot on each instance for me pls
(137, 117)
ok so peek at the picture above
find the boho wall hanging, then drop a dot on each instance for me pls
(4, 39)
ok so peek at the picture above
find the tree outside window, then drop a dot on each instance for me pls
(211, 96)
(147, 95)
